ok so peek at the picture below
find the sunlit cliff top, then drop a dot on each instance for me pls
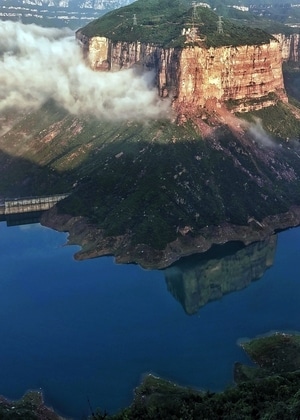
(172, 24)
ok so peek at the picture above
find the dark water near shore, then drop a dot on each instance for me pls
(91, 329)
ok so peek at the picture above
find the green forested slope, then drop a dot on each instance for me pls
(161, 22)
(149, 180)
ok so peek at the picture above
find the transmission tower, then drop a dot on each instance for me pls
(194, 13)
(134, 19)
(193, 31)
(220, 25)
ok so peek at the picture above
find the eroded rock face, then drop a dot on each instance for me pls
(246, 73)
(196, 77)
(290, 46)
(102, 54)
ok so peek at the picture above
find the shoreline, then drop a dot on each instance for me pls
(94, 243)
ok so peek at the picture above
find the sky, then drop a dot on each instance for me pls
(38, 64)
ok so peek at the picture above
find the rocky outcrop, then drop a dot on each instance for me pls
(194, 77)
(245, 75)
(290, 46)
(102, 54)
(30, 406)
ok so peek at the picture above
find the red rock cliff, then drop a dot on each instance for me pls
(290, 46)
(249, 77)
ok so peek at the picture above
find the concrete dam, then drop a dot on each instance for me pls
(17, 210)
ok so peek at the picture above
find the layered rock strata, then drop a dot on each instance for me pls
(249, 76)
(290, 46)
(245, 75)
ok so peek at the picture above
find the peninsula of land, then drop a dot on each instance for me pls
(221, 162)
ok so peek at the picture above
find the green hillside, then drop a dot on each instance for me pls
(161, 22)
(270, 391)
(149, 180)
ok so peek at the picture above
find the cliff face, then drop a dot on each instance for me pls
(102, 54)
(196, 77)
(245, 74)
(290, 46)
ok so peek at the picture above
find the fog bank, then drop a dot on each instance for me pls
(38, 64)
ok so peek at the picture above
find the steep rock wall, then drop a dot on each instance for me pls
(103, 55)
(246, 75)
(290, 46)
(198, 77)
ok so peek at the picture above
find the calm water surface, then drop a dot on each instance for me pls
(92, 329)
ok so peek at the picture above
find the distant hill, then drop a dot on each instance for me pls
(76, 13)
(58, 13)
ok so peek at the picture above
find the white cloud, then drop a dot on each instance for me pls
(41, 63)
(259, 134)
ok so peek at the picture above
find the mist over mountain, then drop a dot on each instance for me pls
(42, 63)
(153, 186)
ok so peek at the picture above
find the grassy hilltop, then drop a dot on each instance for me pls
(161, 22)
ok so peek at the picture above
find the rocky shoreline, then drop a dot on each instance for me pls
(30, 406)
(94, 243)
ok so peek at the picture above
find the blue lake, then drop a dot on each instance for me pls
(92, 329)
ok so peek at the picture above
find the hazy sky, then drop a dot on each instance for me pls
(41, 63)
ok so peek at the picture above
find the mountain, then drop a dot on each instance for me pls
(222, 164)
(197, 56)
(75, 13)
(57, 13)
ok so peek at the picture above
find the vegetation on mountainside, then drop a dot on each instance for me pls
(27, 170)
(150, 180)
(257, 22)
(177, 179)
(30, 407)
(273, 395)
(182, 180)
(269, 26)
(161, 22)
(272, 17)
(276, 120)
(274, 354)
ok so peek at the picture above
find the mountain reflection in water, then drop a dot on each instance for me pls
(94, 328)
(195, 281)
